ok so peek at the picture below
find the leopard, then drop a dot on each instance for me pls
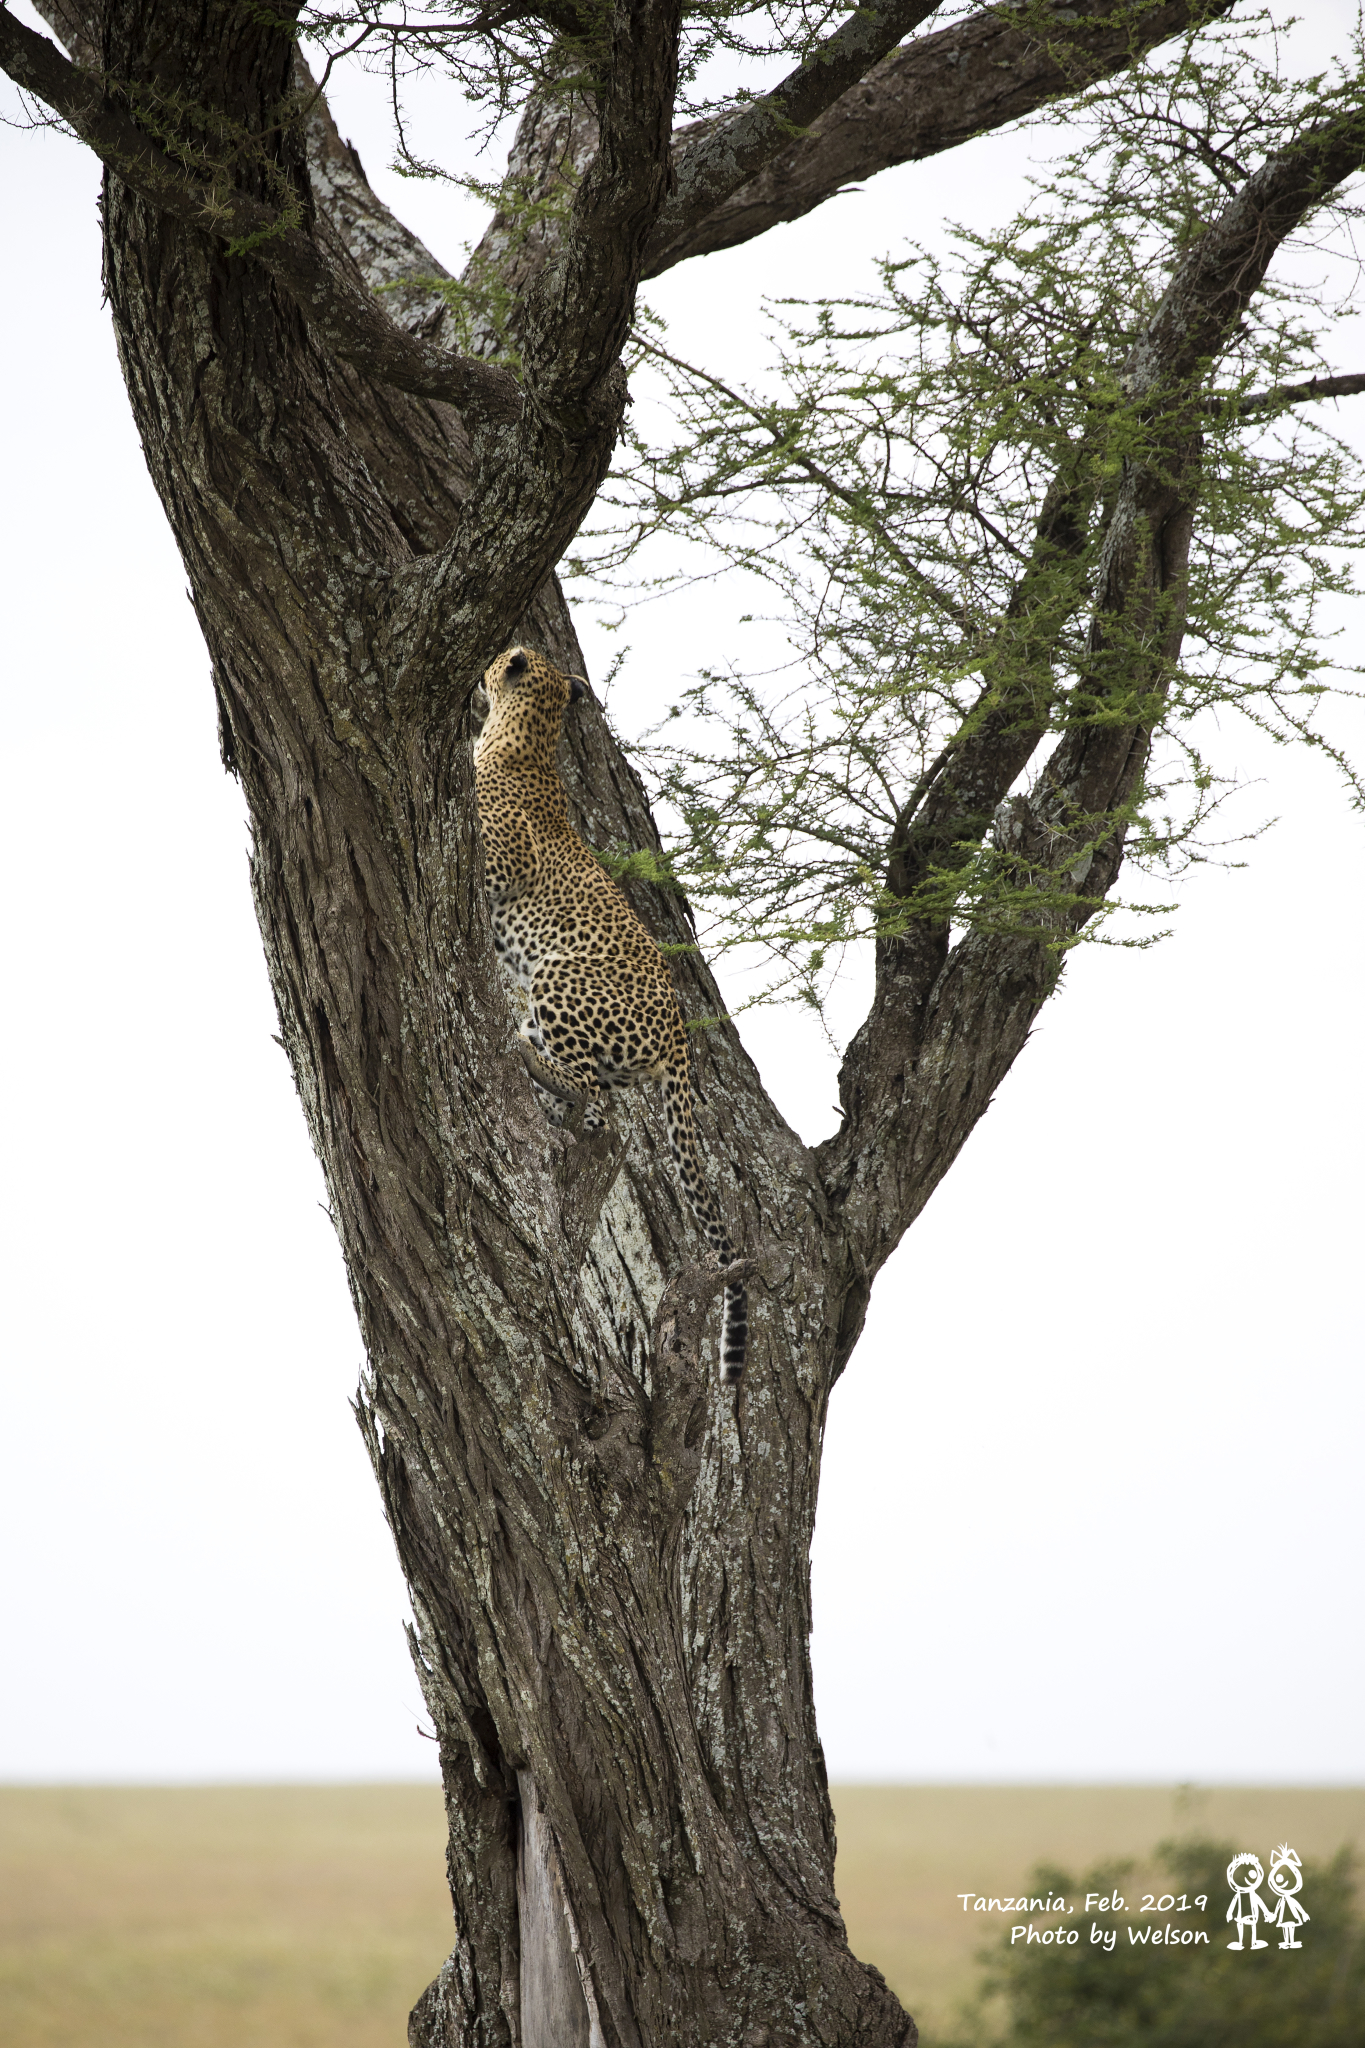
(600, 1009)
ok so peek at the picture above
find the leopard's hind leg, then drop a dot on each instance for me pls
(563, 1075)
(566, 1082)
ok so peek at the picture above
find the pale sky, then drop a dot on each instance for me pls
(1091, 1501)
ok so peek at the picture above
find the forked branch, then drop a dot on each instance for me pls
(924, 1064)
(940, 90)
(714, 159)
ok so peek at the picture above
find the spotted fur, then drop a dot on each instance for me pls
(601, 1011)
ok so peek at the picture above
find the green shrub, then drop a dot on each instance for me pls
(1140, 1995)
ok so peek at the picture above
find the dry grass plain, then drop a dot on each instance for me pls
(310, 1916)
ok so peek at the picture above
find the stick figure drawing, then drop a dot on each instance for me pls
(1247, 1904)
(1286, 1878)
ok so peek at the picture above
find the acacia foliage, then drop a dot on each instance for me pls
(894, 483)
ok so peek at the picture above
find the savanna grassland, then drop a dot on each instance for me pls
(295, 1916)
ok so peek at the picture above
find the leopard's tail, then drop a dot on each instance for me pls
(682, 1136)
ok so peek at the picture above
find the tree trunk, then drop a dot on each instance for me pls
(608, 1555)
(608, 1552)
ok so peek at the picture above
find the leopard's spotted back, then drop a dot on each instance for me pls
(601, 1009)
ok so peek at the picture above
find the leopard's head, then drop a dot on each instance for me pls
(527, 686)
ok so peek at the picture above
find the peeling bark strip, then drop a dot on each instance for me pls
(558, 2003)
(608, 1559)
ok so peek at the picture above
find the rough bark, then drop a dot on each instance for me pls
(607, 1553)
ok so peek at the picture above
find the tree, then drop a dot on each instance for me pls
(608, 1560)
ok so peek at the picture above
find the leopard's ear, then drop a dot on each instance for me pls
(578, 687)
(517, 663)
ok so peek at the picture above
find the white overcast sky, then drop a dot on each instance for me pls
(1092, 1495)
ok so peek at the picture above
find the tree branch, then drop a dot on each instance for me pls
(542, 445)
(554, 144)
(1298, 394)
(953, 804)
(998, 740)
(344, 317)
(977, 75)
(77, 24)
(537, 482)
(922, 1068)
(939, 91)
(818, 475)
(715, 158)
(579, 311)
(386, 254)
